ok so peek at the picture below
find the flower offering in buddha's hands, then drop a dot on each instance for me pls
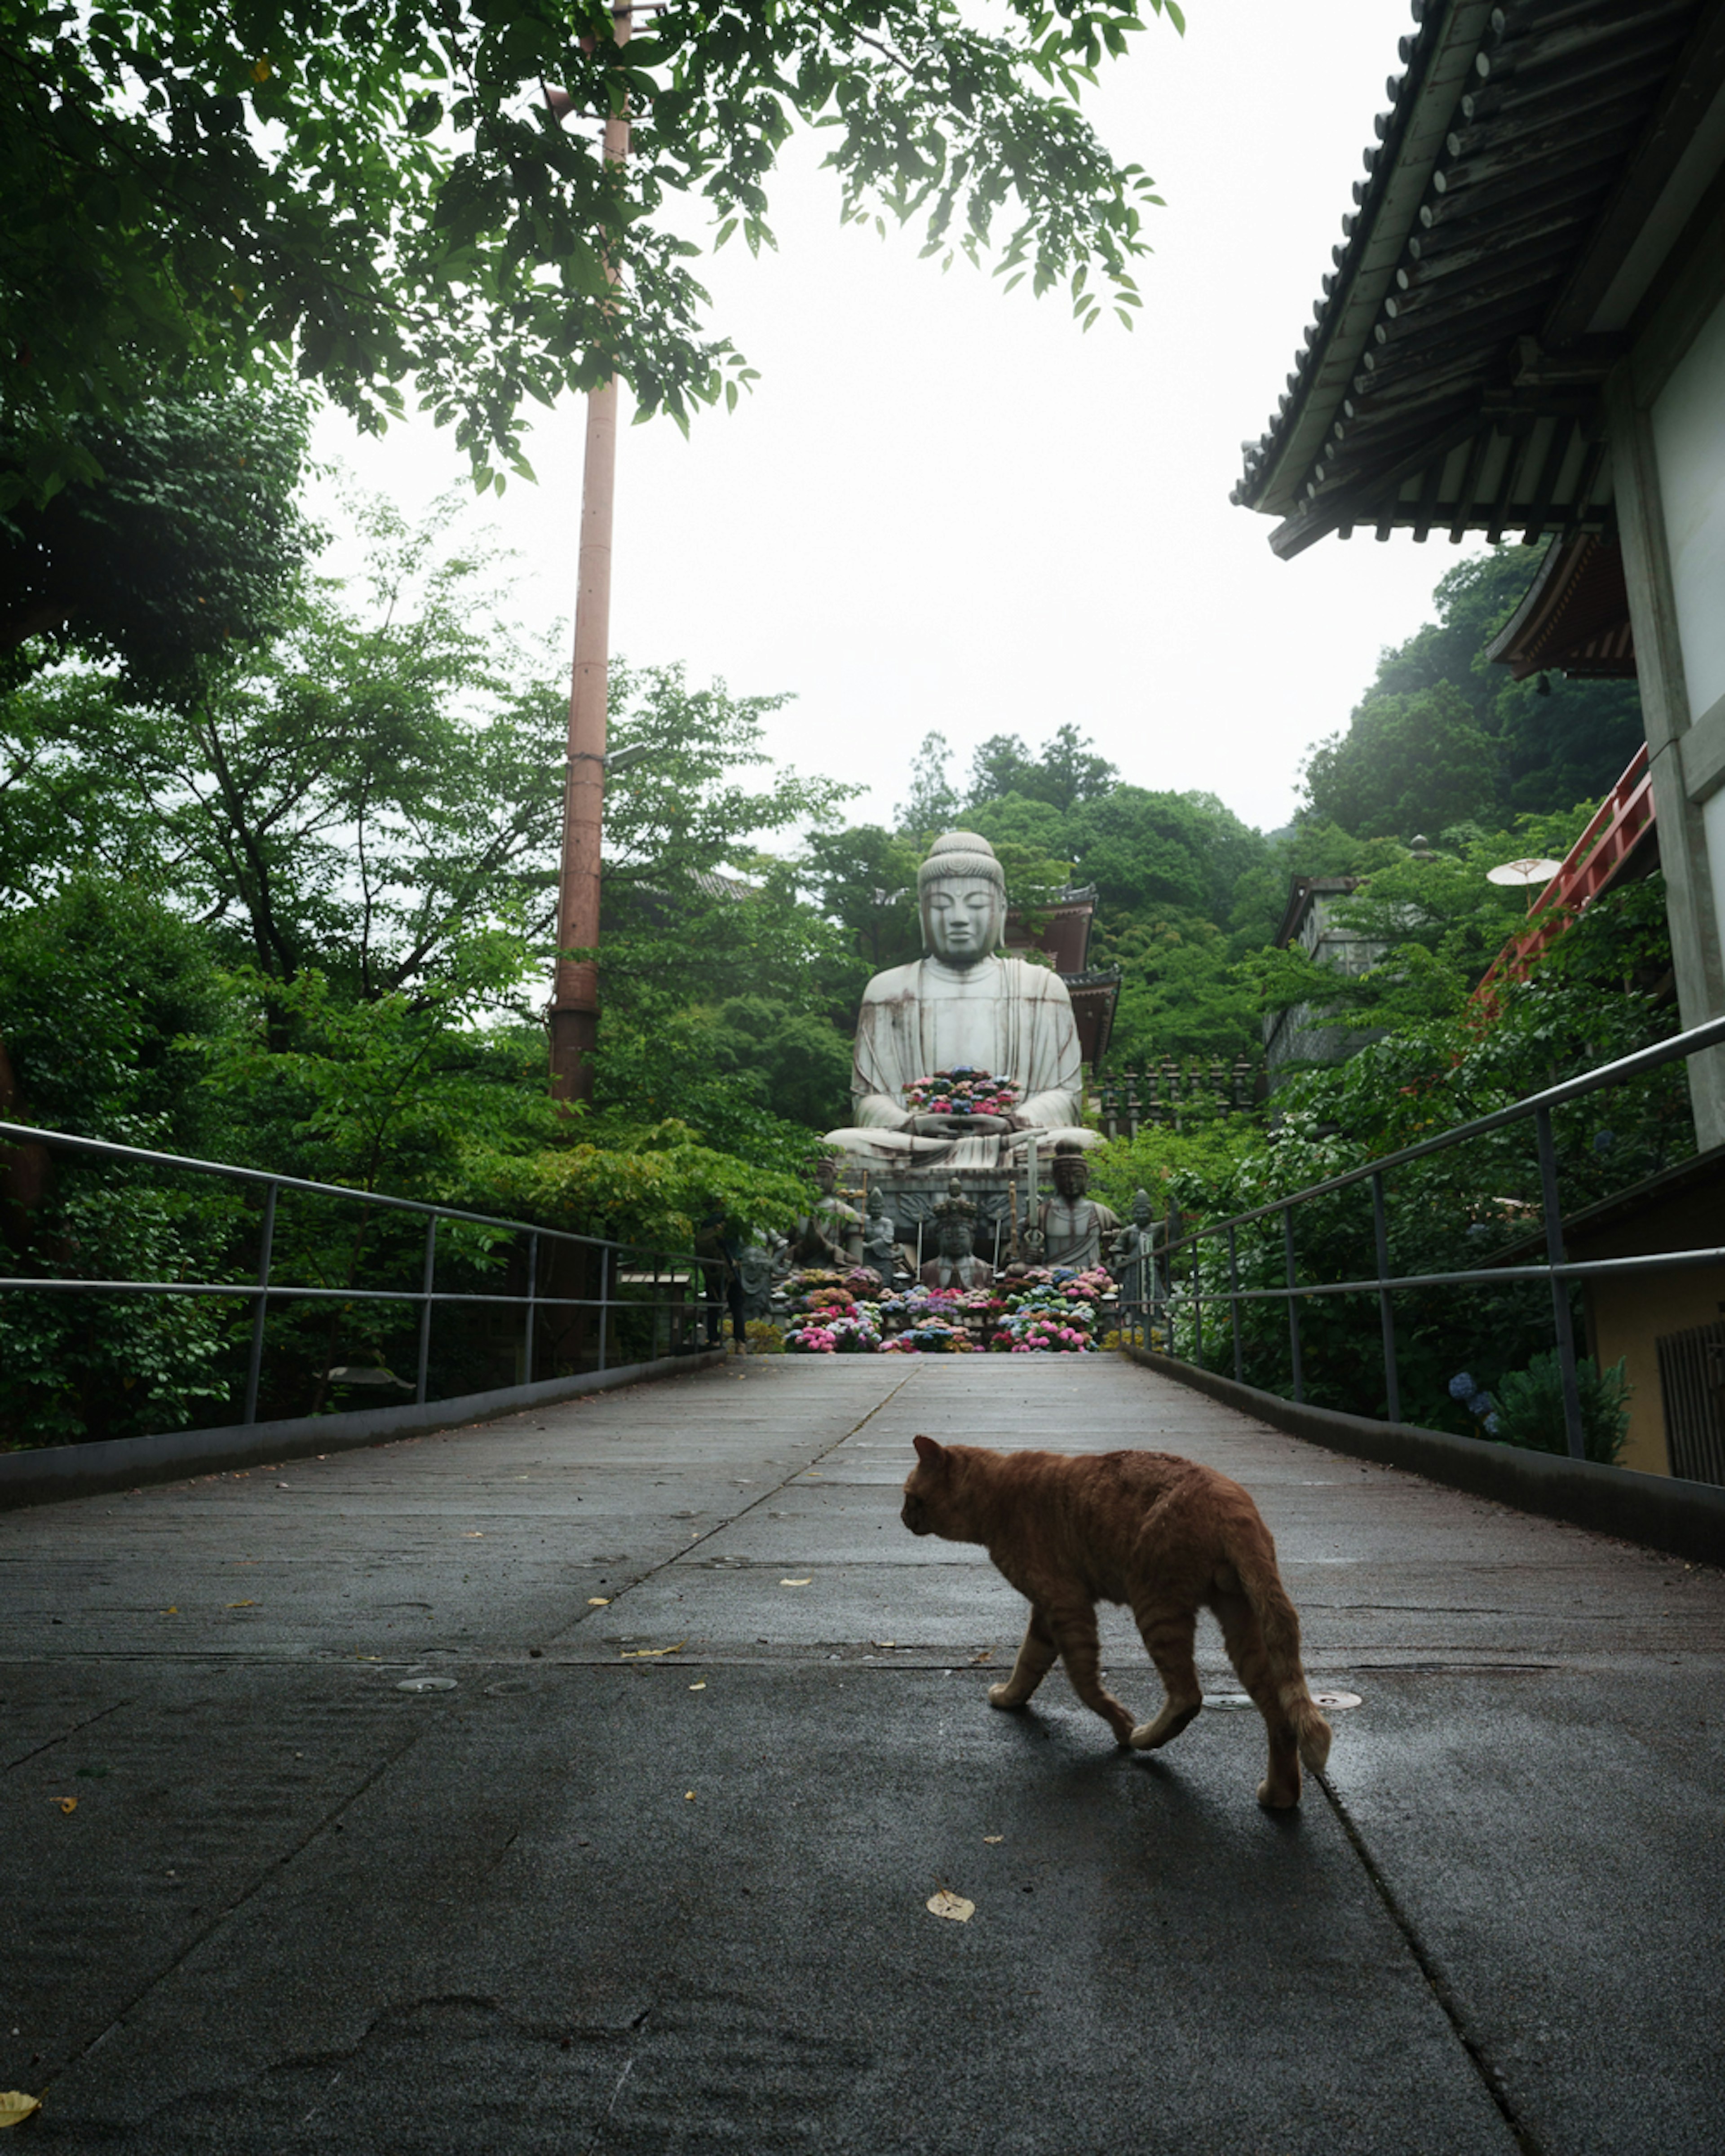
(962, 1091)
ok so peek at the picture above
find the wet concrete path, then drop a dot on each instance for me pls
(646, 1868)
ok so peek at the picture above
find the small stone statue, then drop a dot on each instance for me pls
(1072, 1224)
(1132, 1256)
(880, 1245)
(754, 1274)
(824, 1236)
(957, 1263)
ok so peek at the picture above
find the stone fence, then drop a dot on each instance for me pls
(1171, 1093)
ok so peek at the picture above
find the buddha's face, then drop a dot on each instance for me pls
(955, 1238)
(962, 917)
(1141, 1209)
(1071, 1174)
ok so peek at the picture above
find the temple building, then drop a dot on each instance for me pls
(1522, 333)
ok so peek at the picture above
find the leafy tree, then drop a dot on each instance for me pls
(1409, 763)
(189, 545)
(864, 878)
(350, 799)
(932, 805)
(385, 195)
(1065, 773)
(1002, 765)
(108, 1001)
(1553, 741)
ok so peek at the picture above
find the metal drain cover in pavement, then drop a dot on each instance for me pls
(426, 1684)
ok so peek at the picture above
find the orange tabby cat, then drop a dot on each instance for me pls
(1159, 1533)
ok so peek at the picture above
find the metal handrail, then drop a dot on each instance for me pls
(261, 1290)
(1557, 1270)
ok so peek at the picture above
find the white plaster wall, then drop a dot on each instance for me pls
(1712, 819)
(1689, 442)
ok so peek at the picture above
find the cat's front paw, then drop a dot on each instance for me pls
(1003, 1695)
(1279, 1796)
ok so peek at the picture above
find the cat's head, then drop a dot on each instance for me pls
(933, 1503)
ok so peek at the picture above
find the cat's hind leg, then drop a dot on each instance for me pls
(1036, 1658)
(1075, 1631)
(1167, 1631)
(1244, 1637)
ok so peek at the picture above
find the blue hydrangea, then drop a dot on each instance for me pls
(1603, 1141)
(1491, 1425)
(1462, 1387)
(1481, 1405)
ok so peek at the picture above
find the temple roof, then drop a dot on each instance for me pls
(1575, 618)
(1532, 171)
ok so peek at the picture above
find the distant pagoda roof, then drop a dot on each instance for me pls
(1528, 179)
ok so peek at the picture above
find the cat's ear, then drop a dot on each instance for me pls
(928, 1452)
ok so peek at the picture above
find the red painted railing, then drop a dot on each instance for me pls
(1592, 864)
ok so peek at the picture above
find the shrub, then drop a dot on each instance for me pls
(1530, 1408)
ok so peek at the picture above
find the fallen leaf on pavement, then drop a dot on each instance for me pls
(67, 1804)
(242, 1605)
(15, 2105)
(797, 1583)
(473, 1535)
(994, 1837)
(171, 1610)
(947, 1904)
(701, 1686)
(642, 1654)
(883, 1643)
(688, 1796)
(599, 1602)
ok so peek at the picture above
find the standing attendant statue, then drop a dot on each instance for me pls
(825, 1236)
(1073, 1224)
(880, 1247)
(1134, 1264)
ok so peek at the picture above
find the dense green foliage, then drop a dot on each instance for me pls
(382, 195)
(189, 544)
(1443, 736)
(1530, 1407)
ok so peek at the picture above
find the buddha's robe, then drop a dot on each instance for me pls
(1002, 1015)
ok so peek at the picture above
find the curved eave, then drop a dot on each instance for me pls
(1439, 69)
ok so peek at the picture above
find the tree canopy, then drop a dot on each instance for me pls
(189, 544)
(1443, 734)
(384, 195)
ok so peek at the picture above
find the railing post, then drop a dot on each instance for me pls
(425, 1307)
(1559, 1289)
(260, 1304)
(1386, 1314)
(1234, 1305)
(604, 1296)
(1197, 1305)
(1167, 1303)
(532, 1290)
(1288, 1232)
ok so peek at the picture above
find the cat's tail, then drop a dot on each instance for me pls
(1253, 1559)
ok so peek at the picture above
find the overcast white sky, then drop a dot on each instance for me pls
(944, 507)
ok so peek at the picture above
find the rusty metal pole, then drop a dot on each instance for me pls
(575, 984)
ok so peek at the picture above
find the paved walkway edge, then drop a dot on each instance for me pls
(50, 1473)
(1659, 1509)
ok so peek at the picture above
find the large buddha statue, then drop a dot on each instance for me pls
(963, 1005)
